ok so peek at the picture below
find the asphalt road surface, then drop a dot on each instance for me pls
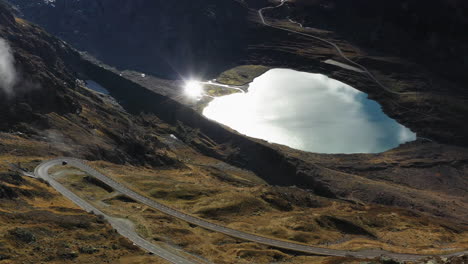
(234, 87)
(41, 171)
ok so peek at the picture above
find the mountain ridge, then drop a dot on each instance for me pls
(167, 151)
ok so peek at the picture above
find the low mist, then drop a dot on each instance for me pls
(8, 75)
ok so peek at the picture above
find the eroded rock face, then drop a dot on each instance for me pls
(165, 38)
(41, 78)
(47, 101)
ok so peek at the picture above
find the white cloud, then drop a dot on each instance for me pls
(8, 75)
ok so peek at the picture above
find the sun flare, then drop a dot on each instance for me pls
(193, 89)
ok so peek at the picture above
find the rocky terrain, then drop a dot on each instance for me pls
(427, 77)
(410, 199)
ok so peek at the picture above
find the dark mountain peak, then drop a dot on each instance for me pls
(165, 38)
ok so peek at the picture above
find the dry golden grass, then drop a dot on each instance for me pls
(232, 197)
(22, 22)
(242, 75)
(141, 260)
(41, 211)
(196, 191)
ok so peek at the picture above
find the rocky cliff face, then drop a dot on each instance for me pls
(38, 68)
(165, 38)
(48, 102)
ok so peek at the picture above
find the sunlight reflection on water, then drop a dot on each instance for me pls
(309, 112)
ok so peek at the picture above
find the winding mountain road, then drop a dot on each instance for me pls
(42, 172)
(233, 87)
(336, 47)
